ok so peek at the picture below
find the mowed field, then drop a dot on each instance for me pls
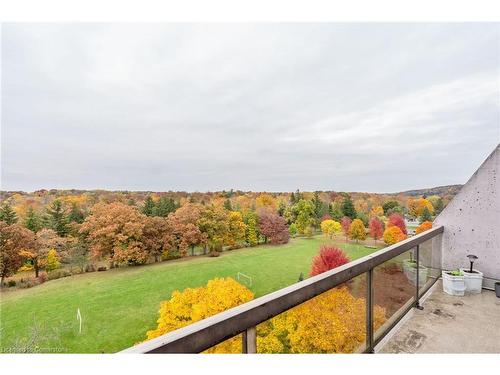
(118, 306)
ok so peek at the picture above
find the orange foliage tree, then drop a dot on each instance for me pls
(14, 239)
(393, 235)
(426, 225)
(184, 232)
(114, 231)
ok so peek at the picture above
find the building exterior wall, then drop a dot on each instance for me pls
(472, 222)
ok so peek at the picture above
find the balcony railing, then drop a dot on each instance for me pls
(424, 250)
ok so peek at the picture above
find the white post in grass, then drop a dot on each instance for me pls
(79, 317)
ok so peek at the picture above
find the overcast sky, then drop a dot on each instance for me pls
(274, 107)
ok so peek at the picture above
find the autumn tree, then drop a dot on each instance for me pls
(377, 211)
(57, 219)
(396, 220)
(426, 225)
(214, 224)
(393, 235)
(357, 230)
(32, 220)
(236, 228)
(305, 217)
(194, 304)
(333, 322)
(376, 228)
(14, 239)
(115, 232)
(7, 214)
(184, 230)
(154, 235)
(265, 200)
(52, 261)
(330, 227)
(252, 230)
(348, 208)
(346, 225)
(273, 227)
(328, 258)
(45, 240)
(416, 206)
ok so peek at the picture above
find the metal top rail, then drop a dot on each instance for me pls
(211, 331)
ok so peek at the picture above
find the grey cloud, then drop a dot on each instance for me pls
(359, 107)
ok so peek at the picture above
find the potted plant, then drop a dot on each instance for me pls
(454, 282)
(473, 278)
(410, 271)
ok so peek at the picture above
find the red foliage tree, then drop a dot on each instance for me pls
(273, 227)
(326, 217)
(376, 228)
(396, 220)
(346, 224)
(328, 258)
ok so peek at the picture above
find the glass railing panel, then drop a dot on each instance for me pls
(429, 263)
(394, 288)
(333, 322)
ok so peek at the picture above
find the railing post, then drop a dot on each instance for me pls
(249, 344)
(369, 311)
(417, 278)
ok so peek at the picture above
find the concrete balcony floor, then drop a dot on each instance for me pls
(449, 324)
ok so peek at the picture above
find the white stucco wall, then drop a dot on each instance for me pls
(472, 222)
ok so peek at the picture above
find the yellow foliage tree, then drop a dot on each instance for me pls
(393, 235)
(333, 322)
(416, 206)
(357, 230)
(330, 227)
(377, 211)
(52, 261)
(195, 304)
(266, 200)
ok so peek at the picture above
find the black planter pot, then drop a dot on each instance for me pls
(497, 289)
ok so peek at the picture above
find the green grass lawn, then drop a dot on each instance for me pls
(118, 306)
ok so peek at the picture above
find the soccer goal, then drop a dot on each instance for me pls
(245, 279)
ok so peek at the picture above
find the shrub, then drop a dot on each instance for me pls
(27, 283)
(89, 268)
(57, 274)
(102, 268)
(42, 277)
(75, 270)
(214, 253)
(11, 283)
